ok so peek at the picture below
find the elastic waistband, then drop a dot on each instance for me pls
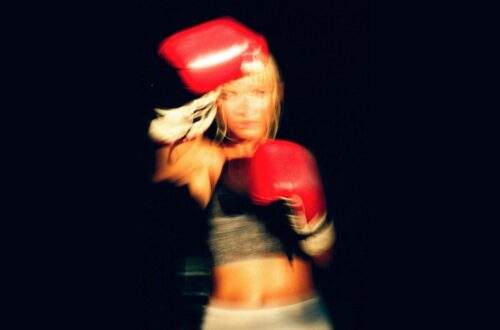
(303, 306)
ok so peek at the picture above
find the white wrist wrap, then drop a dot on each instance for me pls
(318, 242)
(318, 234)
(187, 121)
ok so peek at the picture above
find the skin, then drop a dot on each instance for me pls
(245, 107)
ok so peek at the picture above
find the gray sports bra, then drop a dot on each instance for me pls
(236, 228)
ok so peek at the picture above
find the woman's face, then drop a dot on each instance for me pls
(245, 106)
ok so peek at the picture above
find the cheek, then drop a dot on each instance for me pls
(263, 107)
(225, 109)
(225, 114)
(267, 111)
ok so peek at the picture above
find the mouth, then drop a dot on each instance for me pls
(248, 124)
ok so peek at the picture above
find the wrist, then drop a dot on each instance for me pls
(319, 241)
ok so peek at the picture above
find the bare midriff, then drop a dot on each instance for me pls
(270, 281)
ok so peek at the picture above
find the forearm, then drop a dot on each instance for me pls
(194, 163)
(324, 259)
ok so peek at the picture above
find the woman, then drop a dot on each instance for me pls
(259, 281)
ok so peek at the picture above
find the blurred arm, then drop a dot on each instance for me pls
(195, 163)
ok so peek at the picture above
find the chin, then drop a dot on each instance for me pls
(251, 136)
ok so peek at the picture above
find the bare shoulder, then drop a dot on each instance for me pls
(216, 155)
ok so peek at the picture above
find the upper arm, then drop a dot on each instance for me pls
(195, 163)
(176, 162)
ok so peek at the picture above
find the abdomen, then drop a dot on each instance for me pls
(266, 281)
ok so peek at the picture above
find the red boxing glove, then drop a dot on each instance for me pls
(213, 53)
(283, 170)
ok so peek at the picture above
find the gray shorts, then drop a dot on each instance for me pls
(310, 314)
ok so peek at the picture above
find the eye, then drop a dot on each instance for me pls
(227, 94)
(259, 92)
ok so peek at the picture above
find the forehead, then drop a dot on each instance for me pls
(262, 80)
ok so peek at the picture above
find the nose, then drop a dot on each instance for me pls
(243, 105)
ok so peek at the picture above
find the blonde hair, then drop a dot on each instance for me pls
(269, 75)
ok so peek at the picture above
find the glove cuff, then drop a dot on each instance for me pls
(319, 241)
